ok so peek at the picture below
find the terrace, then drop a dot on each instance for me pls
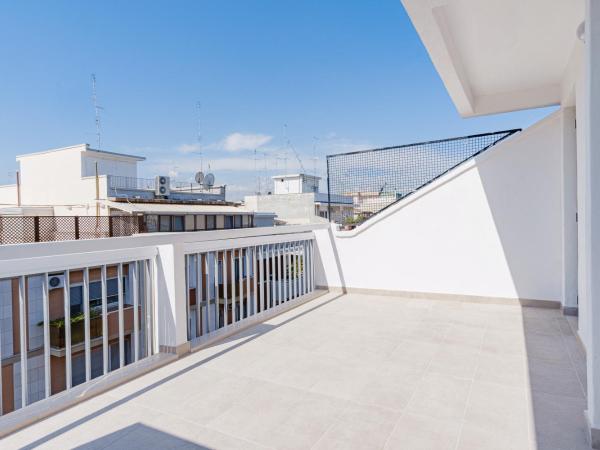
(352, 371)
(461, 314)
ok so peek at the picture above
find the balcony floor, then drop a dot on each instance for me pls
(352, 371)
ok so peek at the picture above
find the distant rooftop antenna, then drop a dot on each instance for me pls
(291, 146)
(96, 110)
(316, 139)
(199, 135)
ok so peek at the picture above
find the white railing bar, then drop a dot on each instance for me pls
(216, 288)
(304, 290)
(46, 312)
(248, 310)
(149, 306)
(261, 273)
(86, 323)
(188, 318)
(233, 282)
(312, 265)
(136, 304)
(281, 272)
(226, 244)
(23, 342)
(67, 309)
(198, 294)
(207, 277)
(121, 318)
(105, 367)
(224, 267)
(254, 280)
(268, 287)
(241, 281)
(10, 268)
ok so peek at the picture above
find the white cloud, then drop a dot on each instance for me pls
(236, 142)
(188, 148)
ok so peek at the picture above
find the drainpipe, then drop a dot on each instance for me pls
(18, 188)
(97, 192)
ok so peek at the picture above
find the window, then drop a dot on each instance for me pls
(211, 222)
(112, 295)
(178, 223)
(152, 223)
(189, 223)
(165, 223)
(228, 222)
(238, 221)
(200, 222)
(245, 221)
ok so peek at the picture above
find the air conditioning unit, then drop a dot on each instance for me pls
(56, 282)
(162, 186)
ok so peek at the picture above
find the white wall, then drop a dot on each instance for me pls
(291, 208)
(55, 178)
(492, 227)
(107, 165)
(8, 195)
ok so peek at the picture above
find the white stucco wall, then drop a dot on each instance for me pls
(8, 195)
(291, 208)
(492, 227)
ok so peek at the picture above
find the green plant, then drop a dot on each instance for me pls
(77, 318)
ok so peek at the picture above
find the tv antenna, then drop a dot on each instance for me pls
(96, 110)
(199, 133)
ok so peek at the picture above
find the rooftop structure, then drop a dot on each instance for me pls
(296, 200)
(56, 186)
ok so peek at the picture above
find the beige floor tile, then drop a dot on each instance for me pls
(441, 397)
(553, 377)
(502, 369)
(456, 361)
(361, 427)
(414, 432)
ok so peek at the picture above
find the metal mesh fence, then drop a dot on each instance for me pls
(375, 179)
(23, 229)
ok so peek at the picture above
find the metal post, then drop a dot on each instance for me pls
(86, 323)
(23, 341)
(105, 367)
(46, 312)
(67, 310)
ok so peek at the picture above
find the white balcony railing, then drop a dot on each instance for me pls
(233, 283)
(68, 324)
(77, 317)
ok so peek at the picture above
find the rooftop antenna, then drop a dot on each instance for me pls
(256, 174)
(96, 110)
(289, 145)
(314, 158)
(199, 136)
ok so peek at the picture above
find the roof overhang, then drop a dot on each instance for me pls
(499, 55)
(174, 208)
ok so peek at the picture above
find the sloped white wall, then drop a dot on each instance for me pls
(492, 227)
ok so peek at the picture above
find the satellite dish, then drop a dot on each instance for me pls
(209, 180)
(199, 177)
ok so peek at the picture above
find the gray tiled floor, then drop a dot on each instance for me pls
(353, 371)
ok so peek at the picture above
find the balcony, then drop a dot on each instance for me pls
(266, 338)
(143, 188)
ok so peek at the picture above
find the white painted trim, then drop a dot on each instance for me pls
(244, 242)
(41, 264)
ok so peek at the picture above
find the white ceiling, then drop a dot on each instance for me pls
(499, 55)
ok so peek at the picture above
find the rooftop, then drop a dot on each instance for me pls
(85, 147)
(352, 371)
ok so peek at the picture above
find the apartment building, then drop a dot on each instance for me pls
(296, 200)
(102, 189)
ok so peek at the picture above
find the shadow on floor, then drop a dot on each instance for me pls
(140, 436)
(249, 335)
(556, 368)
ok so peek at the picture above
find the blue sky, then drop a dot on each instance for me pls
(313, 76)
